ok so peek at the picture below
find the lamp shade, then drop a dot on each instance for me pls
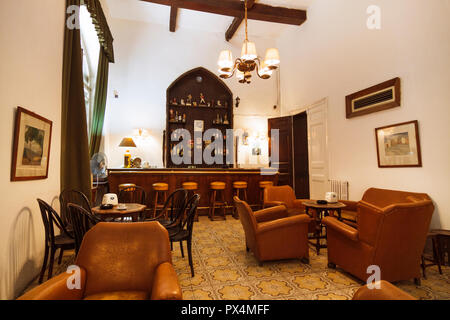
(127, 142)
(272, 57)
(225, 60)
(248, 51)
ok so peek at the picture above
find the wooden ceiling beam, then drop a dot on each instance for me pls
(237, 22)
(259, 11)
(173, 18)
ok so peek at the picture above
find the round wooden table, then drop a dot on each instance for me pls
(132, 210)
(322, 210)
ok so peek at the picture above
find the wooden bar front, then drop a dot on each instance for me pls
(175, 177)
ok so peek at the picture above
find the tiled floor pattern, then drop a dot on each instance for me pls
(224, 271)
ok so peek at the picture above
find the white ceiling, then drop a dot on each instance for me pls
(154, 13)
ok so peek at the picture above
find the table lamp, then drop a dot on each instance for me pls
(128, 143)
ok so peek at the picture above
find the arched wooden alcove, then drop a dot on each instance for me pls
(216, 111)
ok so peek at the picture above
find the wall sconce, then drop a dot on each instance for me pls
(238, 100)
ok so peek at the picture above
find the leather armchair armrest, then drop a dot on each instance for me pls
(274, 203)
(298, 203)
(271, 213)
(282, 223)
(350, 205)
(56, 288)
(342, 228)
(387, 291)
(165, 283)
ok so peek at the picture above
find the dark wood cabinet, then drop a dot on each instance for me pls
(197, 95)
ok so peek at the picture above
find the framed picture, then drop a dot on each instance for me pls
(31, 147)
(198, 125)
(398, 145)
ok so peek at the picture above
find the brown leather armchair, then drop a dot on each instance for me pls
(387, 291)
(391, 232)
(272, 235)
(118, 261)
(283, 196)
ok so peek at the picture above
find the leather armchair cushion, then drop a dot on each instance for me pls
(119, 295)
(282, 223)
(387, 291)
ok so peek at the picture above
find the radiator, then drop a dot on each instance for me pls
(340, 187)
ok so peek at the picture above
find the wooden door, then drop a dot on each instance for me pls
(301, 165)
(284, 163)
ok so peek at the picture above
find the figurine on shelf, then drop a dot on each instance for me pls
(218, 119)
(174, 101)
(225, 119)
(189, 100)
(209, 104)
(182, 102)
(194, 103)
(219, 104)
(184, 117)
(202, 100)
(171, 115)
(176, 116)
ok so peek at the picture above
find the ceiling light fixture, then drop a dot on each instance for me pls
(248, 62)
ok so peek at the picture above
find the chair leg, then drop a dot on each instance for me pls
(213, 209)
(423, 267)
(417, 281)
(52, 259)
(224, 204)
(247, 248)
(171, 246)
(44, 264)
(437, 254)
(61, 252)
(156, 204)
(181, 248)
(191, 264)
(331, 265)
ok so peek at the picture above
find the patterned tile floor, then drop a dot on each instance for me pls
(225, 271)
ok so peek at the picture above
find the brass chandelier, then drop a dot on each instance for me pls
(248, 62)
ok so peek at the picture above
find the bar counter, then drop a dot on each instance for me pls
(174, 177)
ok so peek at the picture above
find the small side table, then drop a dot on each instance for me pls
(440, 240)
(132, 210)
(321, 210)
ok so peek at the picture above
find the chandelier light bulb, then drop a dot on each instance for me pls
(272, 58)
(248, 51)
(225, 60)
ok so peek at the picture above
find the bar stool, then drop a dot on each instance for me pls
(262, 186)
(217, 187)
(239, 186)
(191, 187)
(162, 189)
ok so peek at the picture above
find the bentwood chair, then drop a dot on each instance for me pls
(133, 194)
(53, 242)
(183, 231)
(173, 209)
(72, 196)
(81, 221)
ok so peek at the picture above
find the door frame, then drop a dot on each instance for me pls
(308, 110)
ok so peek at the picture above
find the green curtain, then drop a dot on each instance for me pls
(75, 160)
(98, 115)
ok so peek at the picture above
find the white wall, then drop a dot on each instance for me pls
(148, 59)
(31, 40)
(334, 54)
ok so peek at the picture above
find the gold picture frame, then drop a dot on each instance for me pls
(31, 146)
(398, 145)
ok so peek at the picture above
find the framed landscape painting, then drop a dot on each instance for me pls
(31, 146)
(398, 145)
